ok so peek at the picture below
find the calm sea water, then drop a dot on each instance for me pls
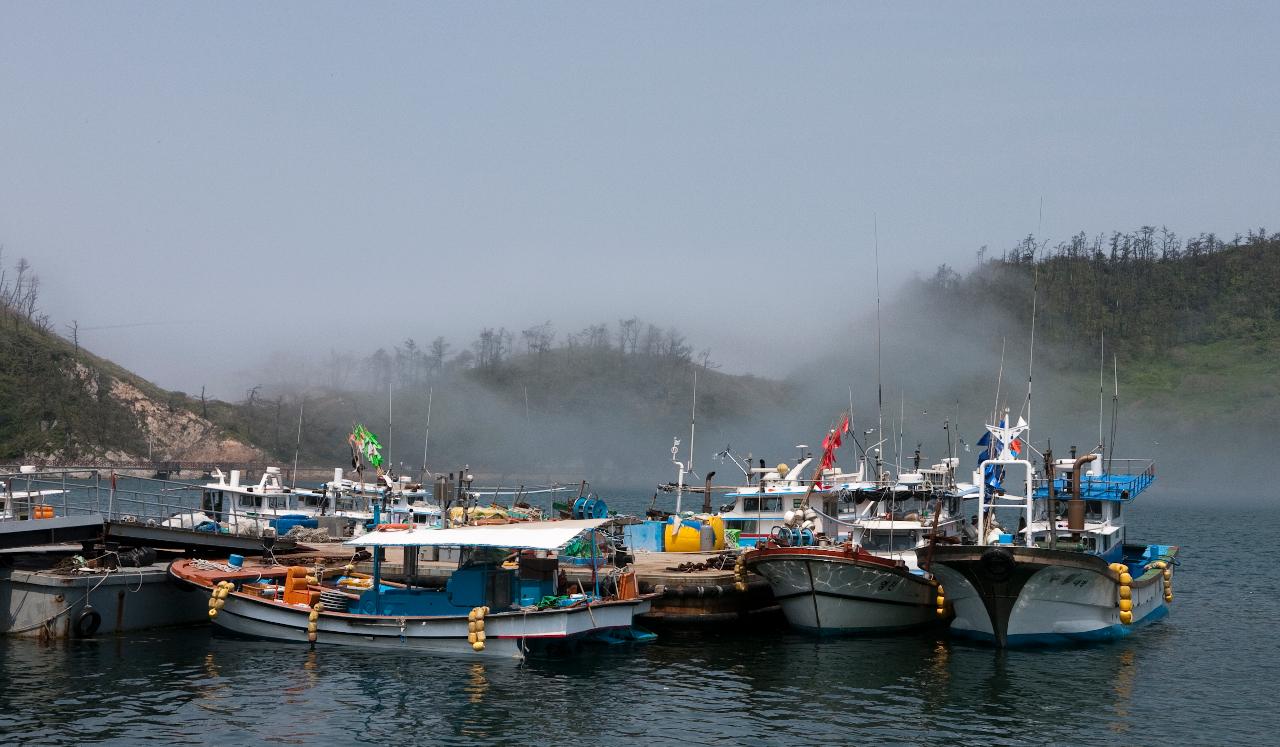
(1204, 675)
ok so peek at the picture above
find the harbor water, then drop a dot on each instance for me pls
(1204, 675)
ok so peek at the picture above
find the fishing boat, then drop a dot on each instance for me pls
(502, 601)
(400, 500)
(871, 579)
(1067, 573)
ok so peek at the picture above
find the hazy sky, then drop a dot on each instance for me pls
(298, 176)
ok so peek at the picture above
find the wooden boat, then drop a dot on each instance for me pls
(502, 601)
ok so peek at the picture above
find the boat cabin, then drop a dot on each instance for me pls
(1098, 528)
(228, 496)
(502, 567)
(781, 493)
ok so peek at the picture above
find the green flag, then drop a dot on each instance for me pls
(366, 445)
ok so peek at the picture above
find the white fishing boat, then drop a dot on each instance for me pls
(399, 500)
(871, 579)
(267, 499)
(502, 601)
(1067, 573)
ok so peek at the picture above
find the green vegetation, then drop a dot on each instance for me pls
(1195, 324)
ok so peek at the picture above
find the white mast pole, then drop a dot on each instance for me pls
(693, 419)
(427, 438)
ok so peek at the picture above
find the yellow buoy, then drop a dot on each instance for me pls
(213, 612)
(1126, 618)
(480, 636)
(941, 600)
(471, 637)
(1125, 592)
(783, 469)
(311, 636)
(478, 646)
(1126, 605)
(471, 626)
(1168, 574)
(739, 586)
(313, 616)
(1168, 597)
(484, 611)
(942, 612)
(471, 616)
(1126, 579)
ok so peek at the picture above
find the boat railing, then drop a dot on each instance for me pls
(1124, 480)
(28, 494)
(121, 498)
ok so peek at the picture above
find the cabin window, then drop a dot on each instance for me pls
(889, 542)
(248, 501)
(1093, 508)
(751, 504)
(279, 501)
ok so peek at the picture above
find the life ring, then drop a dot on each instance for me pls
(998, 563)
(87, 623)
(394, 527)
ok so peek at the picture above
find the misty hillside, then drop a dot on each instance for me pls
(603, 402)
(1192, 326)
(61, 404)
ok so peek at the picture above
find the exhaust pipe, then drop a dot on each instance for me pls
(1075, 506)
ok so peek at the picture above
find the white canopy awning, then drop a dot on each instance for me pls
(532, 535)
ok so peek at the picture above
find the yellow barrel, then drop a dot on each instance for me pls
(679, 537)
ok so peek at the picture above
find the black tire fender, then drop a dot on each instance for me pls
(997, 563)
(87, 623)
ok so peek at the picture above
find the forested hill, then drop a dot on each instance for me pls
(1195, 323)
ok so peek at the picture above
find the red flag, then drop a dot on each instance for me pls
(831, 442)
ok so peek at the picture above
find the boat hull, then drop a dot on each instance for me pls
(1020, 596)
(839, 592)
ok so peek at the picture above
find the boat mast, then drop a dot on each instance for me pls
(388, 449)
(682, 467)
(297, 445)
(427, 438)
(1102, 367)
(875, 228)
(693, 420)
